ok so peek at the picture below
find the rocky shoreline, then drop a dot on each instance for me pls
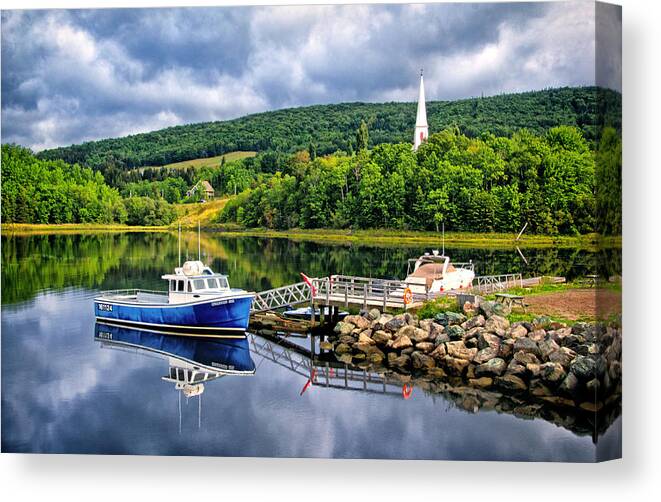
(575, 366)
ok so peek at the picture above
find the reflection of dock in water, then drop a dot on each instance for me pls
(322, 371)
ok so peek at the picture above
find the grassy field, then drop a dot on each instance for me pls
(204, 213)
(210, 161)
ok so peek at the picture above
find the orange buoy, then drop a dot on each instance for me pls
(407, 390)
(408, 296)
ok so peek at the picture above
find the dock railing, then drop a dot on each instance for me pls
(365, 292)
(492, 283)
(368, 292)
(284, 296)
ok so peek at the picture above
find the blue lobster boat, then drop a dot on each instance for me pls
(198, 303)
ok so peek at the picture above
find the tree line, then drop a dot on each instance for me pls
(52, 191)
(326, 129)
(554, 182)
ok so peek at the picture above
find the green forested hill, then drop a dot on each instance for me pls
(332, 127)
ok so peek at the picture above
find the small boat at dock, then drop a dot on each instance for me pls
(198, 302)
(305, 313)
(433, 273)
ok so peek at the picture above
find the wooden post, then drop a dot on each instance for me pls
(364, 296)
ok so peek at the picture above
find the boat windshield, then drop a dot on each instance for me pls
(210, 283)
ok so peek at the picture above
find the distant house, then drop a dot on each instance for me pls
(205, 187)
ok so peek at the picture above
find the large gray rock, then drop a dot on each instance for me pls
(402, 342)
(342, 348)
(410, 319)
(516, 368)
(474, 322)
(381, 337)
(424, 347)
(562, 356)
(348, 339)
(581, 328)
(405, 330)
(511, 382)
(527, 345)
(373, 314)
(552, 372)
(517, 331)
(441, 338)
(455, 366)
(396, 361)
(425, 324)
(497, 324)
(449, 318)
(459, 350)
(473, 333)
(362, 346)
(525, 358)
(344, 328)
(455, 332)
(365, 338)
(583, 367)
(439, 352)
(394, 324)
(485, 355)
(375, 356)
(358, 321)
(547, 347)
(569, 384)
(490, 308)
(537, 335)
(506, 348)
(419, 335)
(492, 367)
(488, 340)
(422, 361)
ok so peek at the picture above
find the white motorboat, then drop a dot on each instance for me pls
(434, 273)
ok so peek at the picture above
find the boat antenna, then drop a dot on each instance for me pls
(179, 244)
(199, 249)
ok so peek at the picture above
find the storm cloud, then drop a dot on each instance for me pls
(76, 75)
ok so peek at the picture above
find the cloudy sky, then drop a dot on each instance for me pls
(76, 75)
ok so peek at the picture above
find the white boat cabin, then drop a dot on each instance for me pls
(194, 280)
(433, 273)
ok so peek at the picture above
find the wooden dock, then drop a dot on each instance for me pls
(344, 291)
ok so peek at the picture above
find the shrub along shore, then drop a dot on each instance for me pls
(576, 367)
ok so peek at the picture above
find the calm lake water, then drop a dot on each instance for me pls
(65, 392)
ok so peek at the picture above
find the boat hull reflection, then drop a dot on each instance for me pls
(223, 356)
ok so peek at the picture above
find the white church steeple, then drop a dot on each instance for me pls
(421, 128)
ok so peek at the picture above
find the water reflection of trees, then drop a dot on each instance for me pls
(108, 261)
